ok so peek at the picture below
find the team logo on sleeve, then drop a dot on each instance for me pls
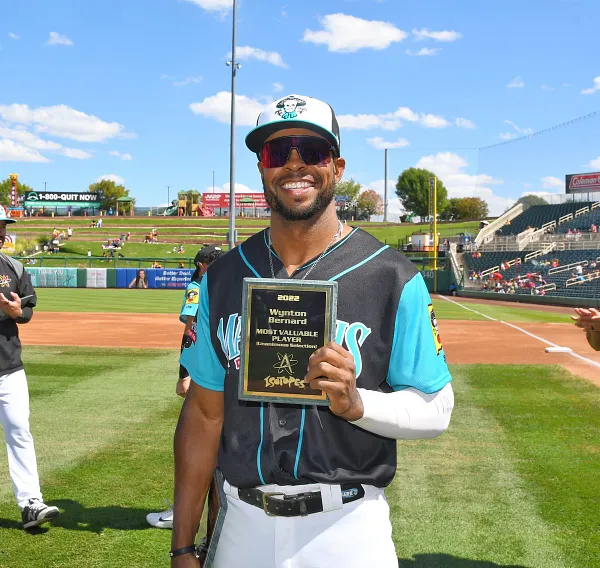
(4, 281)
(192, 297)
(437, 341)
(190, 337)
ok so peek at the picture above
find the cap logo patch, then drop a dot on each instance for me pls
(290, 107)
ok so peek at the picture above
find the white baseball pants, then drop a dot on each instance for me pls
(14, 416)
(355, 535)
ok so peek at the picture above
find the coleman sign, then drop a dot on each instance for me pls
(215, 200)
(583, 183)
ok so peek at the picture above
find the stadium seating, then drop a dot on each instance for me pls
(582, 223)
(538, 215)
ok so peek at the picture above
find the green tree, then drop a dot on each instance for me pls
(109, 192)
(349, 188)
(6, 187)
(413, 190)
(468, 208)
(370, 202)
(529, 200)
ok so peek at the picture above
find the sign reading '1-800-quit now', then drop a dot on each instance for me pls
(284, 323)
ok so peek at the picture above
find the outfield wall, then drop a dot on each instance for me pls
(164, 278)
(526, 299)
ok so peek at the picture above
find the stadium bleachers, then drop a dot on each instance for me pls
(538, 215)
(582, 223)
(489, 260)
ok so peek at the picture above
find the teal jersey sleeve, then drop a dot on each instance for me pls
(189, 307)
(418, 359)
(199, 356)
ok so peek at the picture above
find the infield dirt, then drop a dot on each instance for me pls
(465, 342)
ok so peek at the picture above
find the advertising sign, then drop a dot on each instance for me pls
(221, 200)
(53, 277)
(33, 198)
(175, 279)
(582, 183)
(9, 244)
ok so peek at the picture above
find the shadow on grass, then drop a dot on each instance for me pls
(18, 525)
(76, 517)
(447, 561)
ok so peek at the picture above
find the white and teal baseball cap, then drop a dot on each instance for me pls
(295, 111)
(4, 216)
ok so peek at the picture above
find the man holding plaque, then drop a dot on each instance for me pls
(319, 354)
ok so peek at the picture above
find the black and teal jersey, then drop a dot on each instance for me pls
(384, 318)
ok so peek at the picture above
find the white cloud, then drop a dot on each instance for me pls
(464, 123)
(342, 33)
(381, 144)
(518, 131)
(272, 57)
(277, 87)
(239, 188)
(11, 151)
(450, 168)
(76, 154)
(594, 164)
(433, 121)
(550, 182)
(165, 76)
(368, 122)
(13, 36)
(58, 39)
(117, 154)
(112, 177)
(516, 83)
(390, 120)
(213, 5)
(425, 51)
(63, 121)
(548, 88)
(28, 139)
(188, 81)
(445, 36)
(593, 89)
(219, 107)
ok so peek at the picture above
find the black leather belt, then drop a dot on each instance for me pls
(277, 504)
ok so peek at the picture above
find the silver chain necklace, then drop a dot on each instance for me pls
(336, 237)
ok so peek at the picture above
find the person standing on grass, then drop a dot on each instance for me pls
(204, 258)
(17, 300)
(305, 484)
(589, 321)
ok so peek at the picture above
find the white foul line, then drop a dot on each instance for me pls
(573, 354)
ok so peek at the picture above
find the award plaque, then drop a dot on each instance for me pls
(284, 323)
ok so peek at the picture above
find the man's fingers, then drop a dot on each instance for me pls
(3, 298)
(329, 356)
(323, 369)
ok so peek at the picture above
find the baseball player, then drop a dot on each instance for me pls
(17, 300)
(305, 484)
(204, 257)
(589, 321)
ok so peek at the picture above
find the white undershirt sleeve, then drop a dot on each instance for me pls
(407, 414)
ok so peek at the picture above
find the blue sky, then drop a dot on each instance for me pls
(139, 90)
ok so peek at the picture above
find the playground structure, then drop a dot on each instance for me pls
(189, 205)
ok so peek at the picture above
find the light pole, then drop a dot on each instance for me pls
(234, 67)
(168, 195)
(385, 189)
(45, 186)
(213, 189)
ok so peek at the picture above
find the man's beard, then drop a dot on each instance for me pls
(320, 203)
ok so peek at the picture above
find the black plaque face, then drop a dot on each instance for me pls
(285, 322)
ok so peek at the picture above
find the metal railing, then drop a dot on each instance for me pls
(583, 279)
(566, 267)
(107, 262)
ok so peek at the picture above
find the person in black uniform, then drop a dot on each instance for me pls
(17, 300)
(305, 484)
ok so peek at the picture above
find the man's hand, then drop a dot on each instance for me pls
(588, 319)
(185, 561)
(183, 385)
(12, 309)
(332, 370)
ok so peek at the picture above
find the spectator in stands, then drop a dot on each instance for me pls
(140, 281)
(156, 264)
(589, 321)
(594, 228)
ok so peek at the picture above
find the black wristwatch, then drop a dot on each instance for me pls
(185, 550)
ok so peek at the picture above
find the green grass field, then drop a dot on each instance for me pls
(169, 302)
(514, 482)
